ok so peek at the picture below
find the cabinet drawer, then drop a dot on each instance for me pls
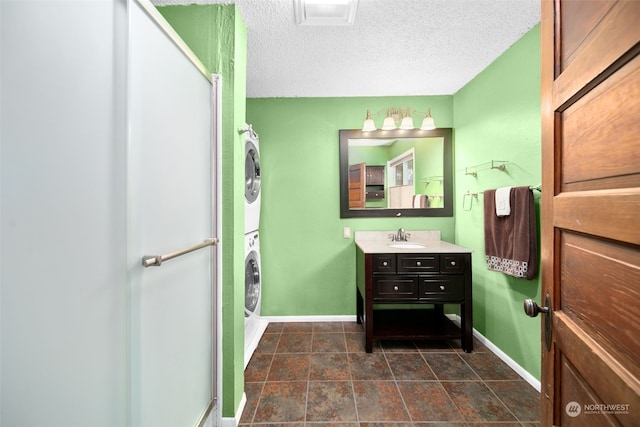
(394, 288)
(374, 194)
(442, 288)
(452, 263)
(418, 263)
(384, 263)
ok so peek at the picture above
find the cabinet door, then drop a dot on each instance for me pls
(375, 175)
(393, 288)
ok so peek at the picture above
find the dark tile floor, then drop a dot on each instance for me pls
(318, 375)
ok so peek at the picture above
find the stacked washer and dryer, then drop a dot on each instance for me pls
(254, 324)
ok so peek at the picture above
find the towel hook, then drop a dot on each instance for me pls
(471, 196)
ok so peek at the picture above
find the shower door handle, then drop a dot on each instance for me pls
(157, 260)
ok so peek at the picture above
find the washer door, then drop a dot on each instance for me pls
(251, 172)
(251, 284)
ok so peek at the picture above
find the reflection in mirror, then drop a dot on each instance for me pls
(396, 173)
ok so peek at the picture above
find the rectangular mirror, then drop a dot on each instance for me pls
(396, 173)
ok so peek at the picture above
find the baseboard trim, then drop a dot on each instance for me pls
(320, 318)
(235, 421)
(533, 381)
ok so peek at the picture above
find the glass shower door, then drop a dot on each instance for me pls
(171, 188)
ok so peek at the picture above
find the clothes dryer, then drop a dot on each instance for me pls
(254, 325)
(252, 180)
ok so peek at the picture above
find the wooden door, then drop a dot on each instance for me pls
(357, 185)
(590, 211)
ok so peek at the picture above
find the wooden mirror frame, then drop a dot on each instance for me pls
(447, 183)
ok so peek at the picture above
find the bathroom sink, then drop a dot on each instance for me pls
(406, 245)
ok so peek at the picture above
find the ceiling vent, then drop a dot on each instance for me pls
(325, 12)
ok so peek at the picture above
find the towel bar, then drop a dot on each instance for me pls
(475, 196)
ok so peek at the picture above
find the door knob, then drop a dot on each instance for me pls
(532, 309)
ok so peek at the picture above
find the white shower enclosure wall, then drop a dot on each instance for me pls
(108, 153)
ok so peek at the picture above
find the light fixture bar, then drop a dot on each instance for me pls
(398, 118)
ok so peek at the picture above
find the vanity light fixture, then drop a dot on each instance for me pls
(398, 118)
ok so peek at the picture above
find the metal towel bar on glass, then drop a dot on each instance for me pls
(157, 260)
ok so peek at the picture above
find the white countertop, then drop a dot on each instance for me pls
(377, 242)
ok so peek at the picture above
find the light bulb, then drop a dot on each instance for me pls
(428, 123)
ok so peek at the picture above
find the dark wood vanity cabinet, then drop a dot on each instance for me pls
(422, 283)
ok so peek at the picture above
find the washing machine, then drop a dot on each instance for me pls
(254, 324)
(252, 176)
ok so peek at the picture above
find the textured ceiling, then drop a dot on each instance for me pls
(394, 48)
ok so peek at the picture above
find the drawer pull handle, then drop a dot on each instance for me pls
(442, 287)
(395, 288)
(453, 263)
(418, 263)
(385, 263)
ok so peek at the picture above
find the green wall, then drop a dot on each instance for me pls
(217, 35)
(307, 267)
(497, 117)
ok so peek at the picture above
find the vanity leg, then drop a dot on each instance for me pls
(364, 319)
(466, 309)
(439, 309)
(463, 333)
(466, 327)
(368, 327)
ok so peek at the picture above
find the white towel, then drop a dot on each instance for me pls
(503, 205)
(419, 201)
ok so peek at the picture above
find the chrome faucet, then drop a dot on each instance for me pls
(400, 236)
